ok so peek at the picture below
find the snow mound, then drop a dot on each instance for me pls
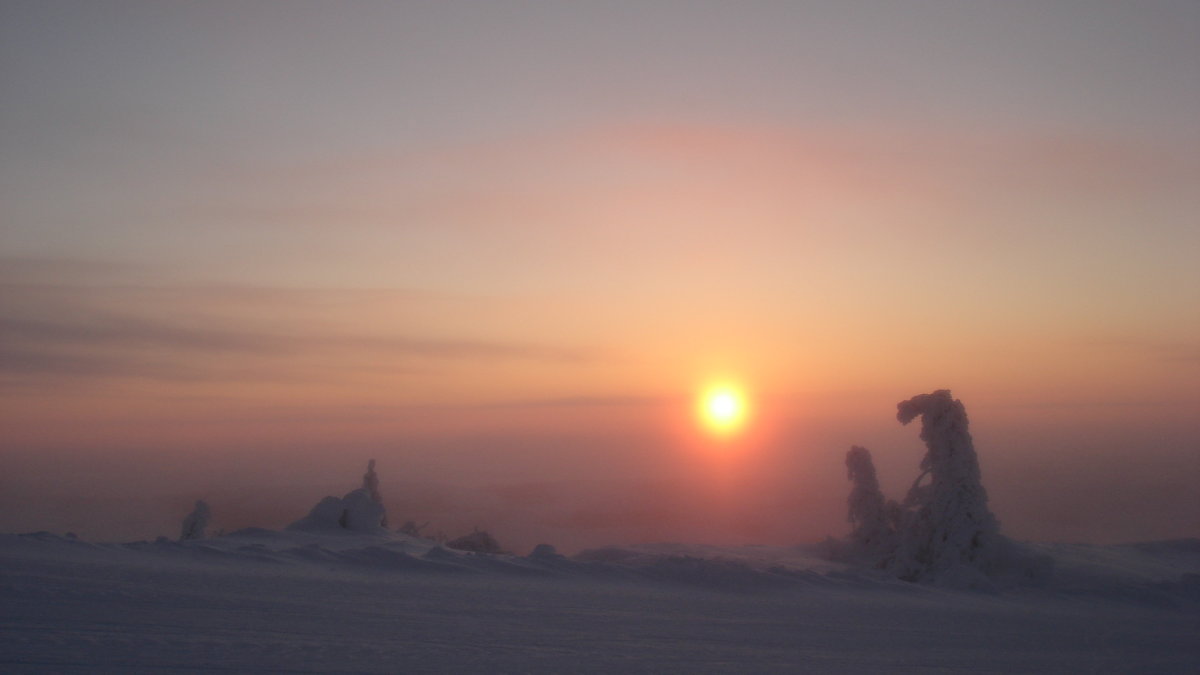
(545, 552)
(356, 512)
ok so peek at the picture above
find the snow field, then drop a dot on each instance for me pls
(296, 602)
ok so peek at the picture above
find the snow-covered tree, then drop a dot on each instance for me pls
(356, 512)
(947, 523)
(360, 510)
(371, 485)
(196, 522)
(362, 513)
(943, 532)
(871, 531)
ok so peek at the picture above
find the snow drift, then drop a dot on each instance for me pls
(295, 601)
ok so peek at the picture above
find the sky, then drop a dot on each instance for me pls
(501, 247)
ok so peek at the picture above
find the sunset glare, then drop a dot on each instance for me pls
(723, 409)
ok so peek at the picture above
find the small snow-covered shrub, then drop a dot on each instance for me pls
(872, 532)
(479, 541)
(196, 522)
(545, 552)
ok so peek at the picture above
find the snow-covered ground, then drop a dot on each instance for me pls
(300, 602)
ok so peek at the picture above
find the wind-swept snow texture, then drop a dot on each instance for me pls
(258, 601)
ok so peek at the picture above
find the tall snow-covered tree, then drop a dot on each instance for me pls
(948, 523)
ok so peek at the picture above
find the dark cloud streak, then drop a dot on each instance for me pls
(190, 334)
(132, 332)
(23, 364)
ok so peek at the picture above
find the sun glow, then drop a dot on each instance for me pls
(722, 409)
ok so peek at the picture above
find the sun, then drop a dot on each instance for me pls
(722, 409)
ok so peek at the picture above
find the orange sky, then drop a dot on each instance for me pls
(503, 250)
